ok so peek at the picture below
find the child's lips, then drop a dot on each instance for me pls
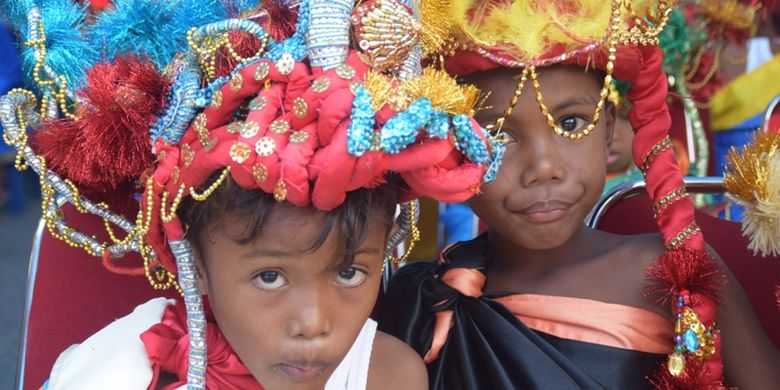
(301, 371)
(547, 211)
(612, 158)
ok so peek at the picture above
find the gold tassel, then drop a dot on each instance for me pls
(752, 180)
(444, 92)
(436, 25)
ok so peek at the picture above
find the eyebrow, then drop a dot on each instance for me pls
(279, 253)
(575, 100)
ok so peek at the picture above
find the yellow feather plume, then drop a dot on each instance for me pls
(752, 179)
(529, 29)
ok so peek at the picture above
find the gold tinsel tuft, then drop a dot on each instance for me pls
(378, 87)
(436, 25)
(444, 92)
(752, 179)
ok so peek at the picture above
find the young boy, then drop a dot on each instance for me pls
(269, 174)
(541, 300)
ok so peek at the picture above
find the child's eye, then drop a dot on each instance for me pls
(270, 280)
(350, 277)
(571, 123)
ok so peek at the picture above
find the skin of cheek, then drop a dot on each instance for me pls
(310, 323)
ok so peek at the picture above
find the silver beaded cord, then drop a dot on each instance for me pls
(406, 219)
(328, 37)
(196, 318)
(63, 192)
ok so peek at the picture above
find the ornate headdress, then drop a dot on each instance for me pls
(281, 99)
(621, 40)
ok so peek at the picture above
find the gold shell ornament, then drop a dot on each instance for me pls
(386, 32)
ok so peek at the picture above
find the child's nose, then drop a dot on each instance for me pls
(311, 317)
(543, 163)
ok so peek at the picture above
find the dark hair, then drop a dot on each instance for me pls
(352, 218)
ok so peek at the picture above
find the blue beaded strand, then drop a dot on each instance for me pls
(467, 142)
(498, 148)
(361, 126)
(401, 130)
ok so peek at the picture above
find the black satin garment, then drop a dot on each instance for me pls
(488, 347)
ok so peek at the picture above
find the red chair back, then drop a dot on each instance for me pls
(757, 275)
(70, 297)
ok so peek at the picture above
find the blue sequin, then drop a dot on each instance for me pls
(401, 130)
(496, 159)
(361, 125)
(182, 107)
(467, 142)
(439, 126)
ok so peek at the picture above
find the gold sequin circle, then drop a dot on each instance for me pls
(265, 146)
(216, 100)
(259, 172)
(345, 71)
(321, 84)
(240, 152)
(249, 129)
(300, 107)
(258, 103)
(236, 82)
(279, 126)
(285, 64)
(299, 137)
(280, 192)
(187, 155)
(261, 71)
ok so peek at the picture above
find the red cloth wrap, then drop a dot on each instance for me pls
(168, 344)
(317, 170)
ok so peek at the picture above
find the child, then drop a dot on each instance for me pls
(269, 178)
(620, 163)
(541, 300)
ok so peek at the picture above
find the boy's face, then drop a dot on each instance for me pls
(546, 184)
(290, 314)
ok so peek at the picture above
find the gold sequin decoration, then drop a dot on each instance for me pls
(259, 172)
(353, 87)
(175, 174)
(279, 126)
(285, 64)
(240, 152)
(321, 84)
(236, 82)
(665, 143)
(386, 33)
(345, 71)
(299, 137)
(249, 129)
(216, 100)
(258, 103)
(261, 71)
(684, 235)
(204, 137)
(300, 107)
(265, 146)
(668, 199)
(280, 192)
(234, 127)
(187, 155)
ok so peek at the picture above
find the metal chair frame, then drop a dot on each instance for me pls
(707, 184)
(770, 109)
(31, 273)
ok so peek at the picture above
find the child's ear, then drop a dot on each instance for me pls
(610, 115)
(203, 281)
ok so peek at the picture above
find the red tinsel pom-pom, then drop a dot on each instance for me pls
(108, 146)
(243, 44)
(281, 19)
(684, 269)
(695, 377)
